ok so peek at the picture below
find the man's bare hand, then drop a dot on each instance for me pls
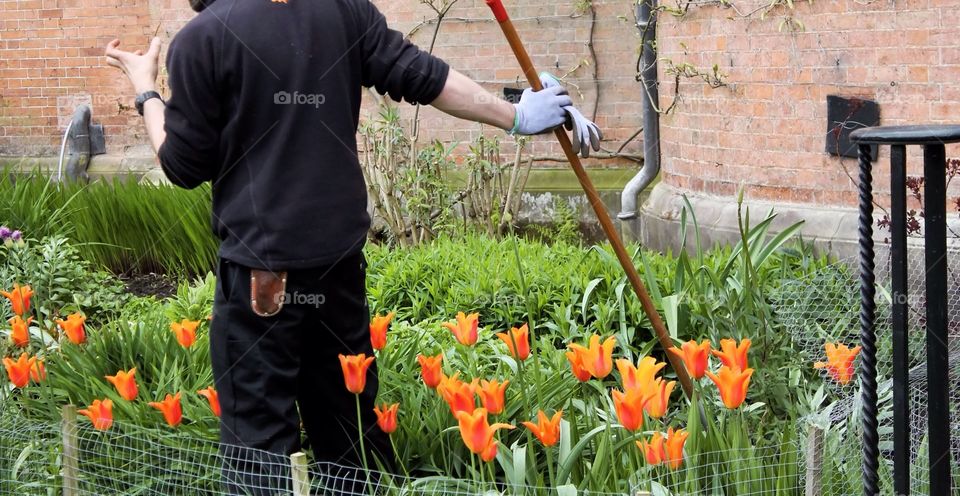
(140, 67)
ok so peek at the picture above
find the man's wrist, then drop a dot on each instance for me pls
(143, 88)
(516, 120)
(144, 98)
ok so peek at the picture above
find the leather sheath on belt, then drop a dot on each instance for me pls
(267, 291)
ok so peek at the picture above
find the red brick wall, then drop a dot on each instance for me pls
(556, 35)
(765, 129)
(51, 58)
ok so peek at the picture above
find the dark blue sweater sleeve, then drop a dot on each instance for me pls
(189, 154)
(394, 65)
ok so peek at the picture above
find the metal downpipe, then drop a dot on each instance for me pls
(647, 24)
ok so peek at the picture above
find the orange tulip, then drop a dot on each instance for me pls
(465, 328)
(695, 357)
(597, 358)
(38, 372)
(355, 371)
(478, 434)
(732, 384)
(20, 331)
(19, 298)
(126, 383)
(674, 447)
(431, 369)
(491, 395)
(653, 450)
(73, 328)
(657, 393)
(185, 331)
(490, 452)
(18, 371)
(576, 366)
(100, 413)
(387, 417)
(520, 337)
(458, 394)
(641, 376)
(212, 398)
(629, 408)
(170, 407)
(839, 362)
(378, 330)
(733, 355)
(546, 429)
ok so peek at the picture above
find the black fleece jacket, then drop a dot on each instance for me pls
(265, 102)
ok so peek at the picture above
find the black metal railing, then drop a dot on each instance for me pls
(932, 139)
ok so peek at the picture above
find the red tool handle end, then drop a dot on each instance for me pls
(499, 12)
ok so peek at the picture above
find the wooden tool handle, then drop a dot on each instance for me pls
(500, 13)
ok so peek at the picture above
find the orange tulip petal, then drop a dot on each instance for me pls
(213, 399)
(431, 370)
(18, 371)
(170, 407)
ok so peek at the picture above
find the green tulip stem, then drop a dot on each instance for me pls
(363, 451)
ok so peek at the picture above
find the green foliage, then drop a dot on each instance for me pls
(140, 337)
(565, 293)
(62, 281)
(490, 200)
(729, 292)
(564, 227)
(732, 453)
(405, 182)
(121, 225)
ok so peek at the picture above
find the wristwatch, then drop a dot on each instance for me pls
(143, 97)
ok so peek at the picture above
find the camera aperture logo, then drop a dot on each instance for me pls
(297, 98)
(312, 299)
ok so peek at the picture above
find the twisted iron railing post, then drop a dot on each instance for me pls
(868, 336)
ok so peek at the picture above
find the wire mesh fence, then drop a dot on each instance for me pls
(76, 459)
(825, 309)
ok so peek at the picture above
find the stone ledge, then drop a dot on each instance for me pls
(141, 164)
(101, 166)
(832, 230)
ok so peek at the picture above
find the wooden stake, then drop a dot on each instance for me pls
(300, 474)
(68, 432)
(814, 447)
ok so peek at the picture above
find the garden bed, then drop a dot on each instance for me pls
(571, 297)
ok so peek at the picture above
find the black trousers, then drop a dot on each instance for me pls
(271, 373)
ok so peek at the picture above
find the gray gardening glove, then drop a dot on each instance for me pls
(586, 134)
(540, 111)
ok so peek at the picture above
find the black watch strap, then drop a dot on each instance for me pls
(143, 97)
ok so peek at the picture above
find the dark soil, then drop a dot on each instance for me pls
(150, 284)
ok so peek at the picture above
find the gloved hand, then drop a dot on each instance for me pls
(586, 134)
(540, 111)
